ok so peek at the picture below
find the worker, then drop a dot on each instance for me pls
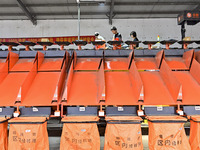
(98, 37)
(116, 37)
(133, 35)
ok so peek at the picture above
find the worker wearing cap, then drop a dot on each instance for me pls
(98, 37)
(116, 36)
(133, 35)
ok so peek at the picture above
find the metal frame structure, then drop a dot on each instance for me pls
(29, 10)
(30, 16)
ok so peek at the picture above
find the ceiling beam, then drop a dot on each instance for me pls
(112, 4)
(84, 18)
(94, 13)
(69, 17)
(197, 8)
(156, 3)
(106, 4)
(27, 12)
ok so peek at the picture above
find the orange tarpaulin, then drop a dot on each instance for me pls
(80, 133)
(195, 132)
(123, 132)
(28, 133)
(3, 133)
(167, 133)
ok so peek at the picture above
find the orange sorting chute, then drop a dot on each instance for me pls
(180, 63)
(167, 133)
(28, 133)
(3, 134)
(195, 132)
(149, 63)
(80, 133)
(197, 56)
(123, 133)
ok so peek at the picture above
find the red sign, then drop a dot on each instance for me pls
(195, 15)
(88, 38)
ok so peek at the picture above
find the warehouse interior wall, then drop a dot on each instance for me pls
(147, 29)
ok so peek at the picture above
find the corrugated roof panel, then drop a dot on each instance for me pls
(136, 9)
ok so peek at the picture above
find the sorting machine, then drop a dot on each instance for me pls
(115, 45)
(88, 90)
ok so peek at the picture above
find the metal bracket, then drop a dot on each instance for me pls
(35, 111)
(191, 110)
(160, 111)
(82, 111)
(121, 111)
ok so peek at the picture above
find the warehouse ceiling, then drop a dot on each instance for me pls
(110, 9)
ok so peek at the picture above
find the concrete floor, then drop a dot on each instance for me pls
(55, 142)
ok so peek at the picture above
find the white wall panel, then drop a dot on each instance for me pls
(147, 29)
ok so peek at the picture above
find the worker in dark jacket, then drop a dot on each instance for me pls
(133, 34)
(116, 36)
